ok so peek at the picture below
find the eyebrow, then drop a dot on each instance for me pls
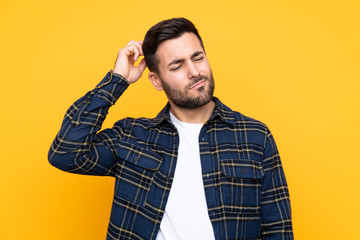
(180, 60)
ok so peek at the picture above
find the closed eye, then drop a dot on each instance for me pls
(176, 68)
(199, 58)
(177, 63)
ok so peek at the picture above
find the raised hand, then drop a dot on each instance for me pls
(126, 58)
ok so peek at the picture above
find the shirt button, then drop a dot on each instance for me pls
(243, 170)
(168, 178)
(136, 158)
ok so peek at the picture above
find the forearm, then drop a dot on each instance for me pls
(275, 200)
(76, 146)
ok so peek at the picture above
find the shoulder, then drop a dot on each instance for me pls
(234, 117)
(253, 128)
(243, 121)
(242, 118)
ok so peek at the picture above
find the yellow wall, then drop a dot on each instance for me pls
(291, 64)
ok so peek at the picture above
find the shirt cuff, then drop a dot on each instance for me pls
(112, 77)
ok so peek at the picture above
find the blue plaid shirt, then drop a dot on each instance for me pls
(245, 187)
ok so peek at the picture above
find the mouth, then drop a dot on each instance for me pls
(198, 84)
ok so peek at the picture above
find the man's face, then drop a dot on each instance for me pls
(185, 72)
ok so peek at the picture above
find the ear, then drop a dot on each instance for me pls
(155, 80)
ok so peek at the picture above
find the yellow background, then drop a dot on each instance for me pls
(291, 64)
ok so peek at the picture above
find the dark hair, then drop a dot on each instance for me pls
(162, 31)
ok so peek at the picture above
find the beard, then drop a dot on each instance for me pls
(182, 99)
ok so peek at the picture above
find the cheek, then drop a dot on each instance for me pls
(174, 79)
(205, 67)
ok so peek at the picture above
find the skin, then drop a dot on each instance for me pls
(184, 73)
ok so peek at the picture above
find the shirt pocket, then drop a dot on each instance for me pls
(241, 185)
(135, 172)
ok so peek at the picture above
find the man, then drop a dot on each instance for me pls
(197, 171)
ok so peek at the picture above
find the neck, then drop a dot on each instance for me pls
(196, 115)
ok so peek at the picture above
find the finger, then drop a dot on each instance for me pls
(133, 50)
(135, 43)
(131, 42)
(142, 65)
(139, 47)
(130, 51)
(136, 54)
(127, 51)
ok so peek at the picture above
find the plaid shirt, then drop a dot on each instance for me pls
(245, 187)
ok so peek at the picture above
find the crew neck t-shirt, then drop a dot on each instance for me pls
(186, 214)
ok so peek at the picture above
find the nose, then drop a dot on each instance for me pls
(192, 69)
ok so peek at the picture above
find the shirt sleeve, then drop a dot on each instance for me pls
(78, 147)
(275, 200)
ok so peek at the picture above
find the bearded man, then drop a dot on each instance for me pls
(196, 171)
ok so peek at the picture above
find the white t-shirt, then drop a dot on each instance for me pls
(186, 214)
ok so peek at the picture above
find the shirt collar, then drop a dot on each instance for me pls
(221, 111)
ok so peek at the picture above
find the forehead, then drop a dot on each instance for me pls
(178, 48)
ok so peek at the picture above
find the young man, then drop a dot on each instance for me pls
(197, 171)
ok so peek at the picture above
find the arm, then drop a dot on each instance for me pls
(78, 148)
(275, 201)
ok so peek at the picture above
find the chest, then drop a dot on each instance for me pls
(230, 164)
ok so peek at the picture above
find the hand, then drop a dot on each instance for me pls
(126, 58)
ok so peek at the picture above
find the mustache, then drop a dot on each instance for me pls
(197, 79)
